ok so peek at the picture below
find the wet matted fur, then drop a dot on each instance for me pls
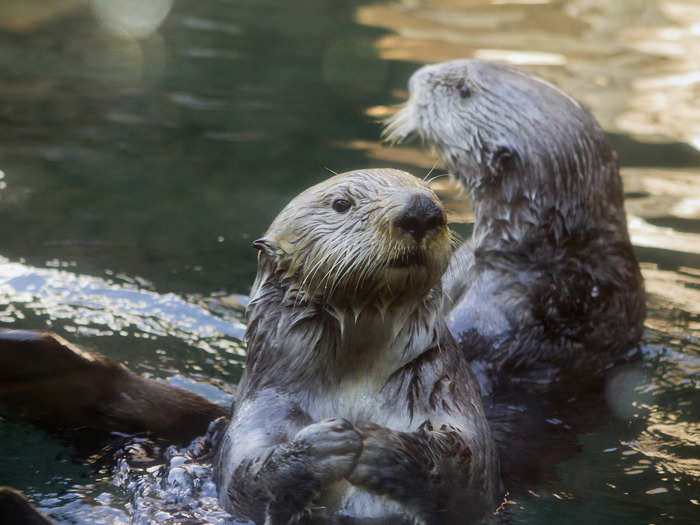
(355, 401)
(549, 282)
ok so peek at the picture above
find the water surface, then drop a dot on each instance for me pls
(141, 156)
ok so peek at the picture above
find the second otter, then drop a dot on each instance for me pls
(355, 401)
(548, 284)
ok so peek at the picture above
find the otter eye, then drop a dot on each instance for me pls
(463, 89)
(341, 205)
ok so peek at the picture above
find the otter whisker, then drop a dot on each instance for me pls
(330, 261)
(351, 265)
(312, 273)
(335, 276)
(311, 284)
(455, 238)
(430, 171)
(370, 266)
(436, 177)
(331, 284)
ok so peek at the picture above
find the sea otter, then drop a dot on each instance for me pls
(355, 402)
(548, 285)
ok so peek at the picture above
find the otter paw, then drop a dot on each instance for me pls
(385, 465)
(333, 447)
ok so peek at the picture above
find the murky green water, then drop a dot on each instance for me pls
(137, 172)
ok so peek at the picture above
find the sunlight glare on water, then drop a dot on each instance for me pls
(147, 143)
(132, 18)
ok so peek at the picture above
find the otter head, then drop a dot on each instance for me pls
(359, 237)
(496, 125)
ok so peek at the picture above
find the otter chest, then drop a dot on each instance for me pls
(370, 354)
(358, 400)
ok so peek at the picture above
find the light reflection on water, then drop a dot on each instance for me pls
(96, 307)
(162, 156)
(634, 62)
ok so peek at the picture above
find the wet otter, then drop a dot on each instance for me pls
(547, 296)
(549, 284)
(355, 401)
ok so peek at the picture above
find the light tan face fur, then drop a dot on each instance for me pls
(357, 255)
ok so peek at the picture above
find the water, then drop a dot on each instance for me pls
(136, 172)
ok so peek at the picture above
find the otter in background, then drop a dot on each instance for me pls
(355, 402)
(549, 283)
(547, 296)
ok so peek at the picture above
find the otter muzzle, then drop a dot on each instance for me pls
(420, 216)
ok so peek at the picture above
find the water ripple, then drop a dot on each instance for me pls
(95, 306)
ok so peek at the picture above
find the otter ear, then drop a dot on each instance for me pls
(267, 246)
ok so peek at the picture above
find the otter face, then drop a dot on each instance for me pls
(360, 236)
(489, 121)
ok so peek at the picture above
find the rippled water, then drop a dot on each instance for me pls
(143, 149)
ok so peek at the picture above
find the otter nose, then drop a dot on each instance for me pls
(419, 216)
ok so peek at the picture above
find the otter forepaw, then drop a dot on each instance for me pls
(379, 463)
(394, 464)
(333, 447)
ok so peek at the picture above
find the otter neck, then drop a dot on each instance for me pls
(295, 341)
(513, 209)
